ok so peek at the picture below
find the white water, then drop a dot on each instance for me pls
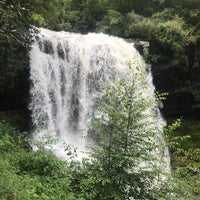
(68, 71)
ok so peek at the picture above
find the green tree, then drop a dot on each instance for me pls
(51, 14)
(14, 21)
(112, 23)
(14, 44)
(168, 34)
(124, 164)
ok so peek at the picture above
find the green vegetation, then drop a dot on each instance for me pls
(185, 155)
(14, 44)
(173, 29)
(171, 26)
(112, 172)
(123, 144)
(28, 175)
(40, 175)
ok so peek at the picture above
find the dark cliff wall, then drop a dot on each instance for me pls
(181, 82)
(184, 93)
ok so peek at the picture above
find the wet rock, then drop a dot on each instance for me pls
(46, 46)
(60, 51)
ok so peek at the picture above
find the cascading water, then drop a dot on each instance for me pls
(68, 71)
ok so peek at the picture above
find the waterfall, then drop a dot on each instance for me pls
(68, 71)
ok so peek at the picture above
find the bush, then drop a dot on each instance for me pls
(30, 175)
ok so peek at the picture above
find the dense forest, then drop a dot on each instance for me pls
(172, 28)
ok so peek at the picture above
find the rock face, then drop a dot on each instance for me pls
(184, 96)
(181, 83)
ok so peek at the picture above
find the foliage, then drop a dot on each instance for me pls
(40, 175)
(185, 157)
(14, 43)
(50, 14)
(11, 138)
(171, 26)
(13, 66)
(111, 23)
(13, 24)
(165, 29)
(124, 133)
(30, 175)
